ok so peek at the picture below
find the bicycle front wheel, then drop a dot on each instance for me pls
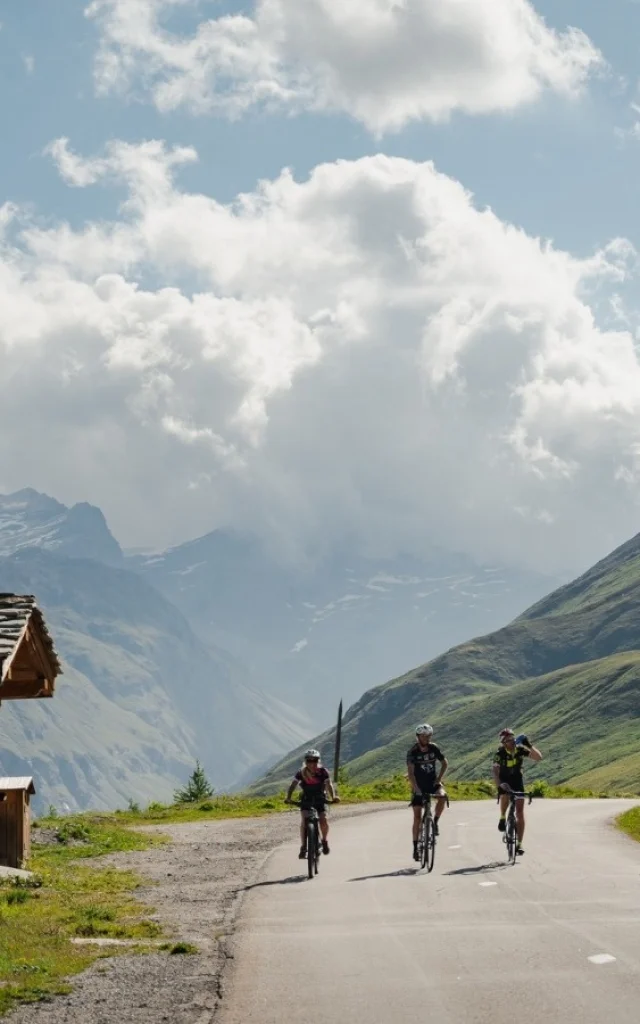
(511, 839)
(312, 843)
(427, 851)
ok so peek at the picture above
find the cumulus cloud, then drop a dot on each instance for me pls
(384, 62)
(360, 355)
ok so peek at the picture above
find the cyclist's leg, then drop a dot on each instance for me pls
(416, 804)
(504, 807)
(324, 823)
(441, 802)
(324, 826)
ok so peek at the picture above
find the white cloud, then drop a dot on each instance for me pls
(362, 354)
(384, 62)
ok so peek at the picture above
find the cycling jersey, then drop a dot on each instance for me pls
(510, 763)
(423, 761)
(312, 786)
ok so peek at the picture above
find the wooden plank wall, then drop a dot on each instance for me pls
(14, 829)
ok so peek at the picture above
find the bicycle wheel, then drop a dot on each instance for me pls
(426, 853)
(310, 847)
(431, 846)
(511, 839)
(316, 863)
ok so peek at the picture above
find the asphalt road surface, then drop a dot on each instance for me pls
(554, 938)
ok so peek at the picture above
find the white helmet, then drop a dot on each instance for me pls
(312, 754)
(424, 730)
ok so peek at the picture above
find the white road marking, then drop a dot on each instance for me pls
(601, 958)
(455, 847)
(486, 884)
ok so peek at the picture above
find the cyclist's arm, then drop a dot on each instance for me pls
(535, 754)
(496, 774)
(412, 777)
(294, 783)
(443, 770)
(329, 789)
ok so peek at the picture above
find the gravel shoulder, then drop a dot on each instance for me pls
(197, 883)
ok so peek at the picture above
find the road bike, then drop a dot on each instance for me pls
(427, 834)
(510, 836)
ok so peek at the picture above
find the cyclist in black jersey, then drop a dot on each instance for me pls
(426, 766)
(507, 773)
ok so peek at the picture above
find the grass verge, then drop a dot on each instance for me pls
(629, 822)
(66, 899)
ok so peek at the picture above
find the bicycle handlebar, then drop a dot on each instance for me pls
(298, 803)
(513, 795)
(432, 796)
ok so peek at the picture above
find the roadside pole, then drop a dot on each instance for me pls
(336, 765)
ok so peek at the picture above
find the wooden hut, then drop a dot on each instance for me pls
(28, 662)
(15, 821)
(29, 667)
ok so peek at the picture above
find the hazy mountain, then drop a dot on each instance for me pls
(32, 520)
(142, 696)
(314, 634)
(216, 648)
(567, 671)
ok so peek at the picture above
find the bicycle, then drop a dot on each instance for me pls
(427, 834)
(510, 836)
(313, 836)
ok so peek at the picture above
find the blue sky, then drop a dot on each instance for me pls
(512, 429)
(556, 168)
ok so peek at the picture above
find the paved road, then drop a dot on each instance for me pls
(370, 941)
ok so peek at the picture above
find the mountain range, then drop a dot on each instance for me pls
(216, 648)
(312, 634)
(142, 696)
(567, 671)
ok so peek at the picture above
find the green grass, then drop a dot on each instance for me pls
(66, 899)
(629, 822)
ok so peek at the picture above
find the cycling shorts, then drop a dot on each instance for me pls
(430, 788)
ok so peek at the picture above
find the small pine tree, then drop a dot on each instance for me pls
(197, 788)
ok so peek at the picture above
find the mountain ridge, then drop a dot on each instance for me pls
(575, 644)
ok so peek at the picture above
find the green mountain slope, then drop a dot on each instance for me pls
(567, 671)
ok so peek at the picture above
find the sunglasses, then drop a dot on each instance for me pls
(312, 760)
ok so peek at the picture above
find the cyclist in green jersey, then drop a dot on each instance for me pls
(508, 777)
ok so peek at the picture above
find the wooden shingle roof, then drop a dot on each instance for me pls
(16, 612)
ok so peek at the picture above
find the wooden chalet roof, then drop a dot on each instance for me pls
(12, 783)
(17, 614)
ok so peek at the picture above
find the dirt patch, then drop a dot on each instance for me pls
(196, 886)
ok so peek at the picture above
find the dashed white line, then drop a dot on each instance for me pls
(601, 958)
(455, 847)
(486, 884)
